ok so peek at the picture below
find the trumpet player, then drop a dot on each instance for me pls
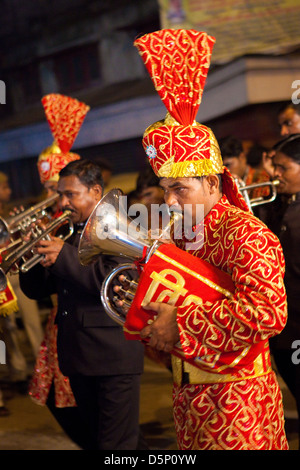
(103, 368)
(231, 400)
(48, 386)
(12, 301)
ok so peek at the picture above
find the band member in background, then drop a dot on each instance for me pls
(246, 168)
(232, 399)
(12, 302)
(283, 216)
(235, 158)
(48, 386)
(104, 368)
(8, 300)
(289, 119)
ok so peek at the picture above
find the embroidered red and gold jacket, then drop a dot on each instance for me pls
(228, 336)
(225, 331)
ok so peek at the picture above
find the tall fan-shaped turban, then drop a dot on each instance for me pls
(178, 146)
(65, 116)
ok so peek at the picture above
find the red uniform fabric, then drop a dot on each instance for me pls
(231, 400)
(46, 371)
(172, 276)
(244, 415)
(245, 411)
(8, 299)
(256, 176)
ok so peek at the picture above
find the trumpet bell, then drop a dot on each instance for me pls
(13, 226)
(258, 201)
(19, 254)
(4, 231)
(109, 231)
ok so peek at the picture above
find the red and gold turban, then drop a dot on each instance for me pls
(65, 116)
(178, 61)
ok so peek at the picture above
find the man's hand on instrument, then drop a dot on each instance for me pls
(163, 332)
(48, 247)
(16, 211)
(125, 291)
(119, 299)
(50, 250)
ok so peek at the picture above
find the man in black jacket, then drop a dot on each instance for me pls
(103, 367)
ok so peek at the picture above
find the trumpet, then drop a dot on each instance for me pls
(17, 255)
(245, 190)
(18, 223)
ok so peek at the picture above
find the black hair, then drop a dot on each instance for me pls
(290, 146)
(230, 146)
(219, 178)
(88, 172)
(289, 105)
(146, 179)
(254, 156)
(104, 164)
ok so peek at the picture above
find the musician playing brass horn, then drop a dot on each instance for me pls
(48, 386)
(103, 367)
(231, 400)
(247, 167)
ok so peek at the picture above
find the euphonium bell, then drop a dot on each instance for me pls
(109, 231)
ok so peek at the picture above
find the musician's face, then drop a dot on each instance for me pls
(152, 195)
(287, 171)
(179, 192)
(289, 122)
(50, 187)
(78, 198)
(236, 165)
(5, 192)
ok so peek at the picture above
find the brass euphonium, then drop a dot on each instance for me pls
(109, 231)
(16, 253)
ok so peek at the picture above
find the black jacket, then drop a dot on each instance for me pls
(89, 342)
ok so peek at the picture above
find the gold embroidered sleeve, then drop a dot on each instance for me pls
(257, 310)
